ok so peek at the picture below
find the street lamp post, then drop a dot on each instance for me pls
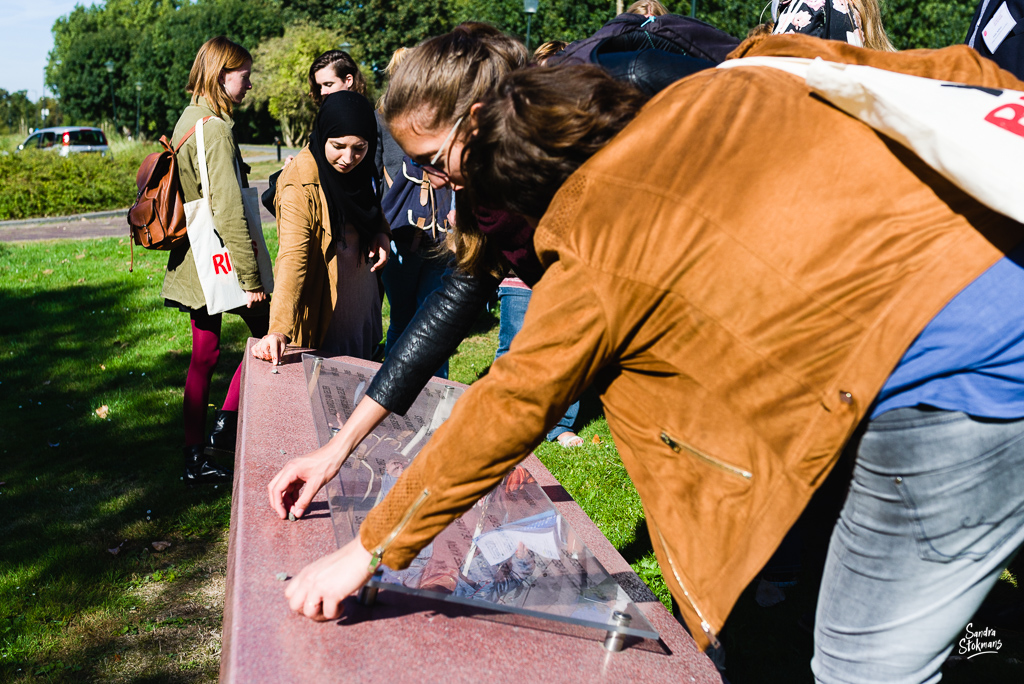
(530, 7)
(138, 103)
(110, 72)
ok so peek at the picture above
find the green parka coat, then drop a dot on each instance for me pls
(181, 282)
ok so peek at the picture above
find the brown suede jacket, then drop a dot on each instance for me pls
(737, 329)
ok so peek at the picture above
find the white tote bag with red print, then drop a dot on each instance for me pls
(217, 274)
(972, 136)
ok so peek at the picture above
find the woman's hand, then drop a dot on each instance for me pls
(317, 591)
(294, 487)
(380, 249)
(254, 297)
(270, 348)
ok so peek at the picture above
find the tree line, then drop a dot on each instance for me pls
(150, 44)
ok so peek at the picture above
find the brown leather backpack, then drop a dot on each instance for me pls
(157, 219)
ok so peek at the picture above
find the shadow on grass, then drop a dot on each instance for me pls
(75, 483)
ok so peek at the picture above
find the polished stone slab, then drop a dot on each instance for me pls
(403, 637)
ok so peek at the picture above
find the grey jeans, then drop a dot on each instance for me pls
(934, 513)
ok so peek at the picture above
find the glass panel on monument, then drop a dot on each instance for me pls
(511, 552)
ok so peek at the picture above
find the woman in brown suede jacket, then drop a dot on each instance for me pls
(738, 333)
(329, 221)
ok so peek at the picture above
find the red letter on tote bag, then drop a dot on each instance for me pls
(1008, 117)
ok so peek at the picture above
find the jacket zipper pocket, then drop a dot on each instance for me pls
(705, 626)
(383, 546)
(679, 447)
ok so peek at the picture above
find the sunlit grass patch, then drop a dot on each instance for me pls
(92, 368)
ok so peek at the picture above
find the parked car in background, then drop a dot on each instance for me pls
(67, 140)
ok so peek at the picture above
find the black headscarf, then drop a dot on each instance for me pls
(350, 196)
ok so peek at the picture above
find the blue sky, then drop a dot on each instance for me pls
(26, 41)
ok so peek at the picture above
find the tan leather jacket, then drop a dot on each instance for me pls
(306, 272)
(738, 294)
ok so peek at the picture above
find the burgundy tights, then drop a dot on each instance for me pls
(205, 353)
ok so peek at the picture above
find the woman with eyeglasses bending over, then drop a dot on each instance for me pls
(738, 342)
(426, 106)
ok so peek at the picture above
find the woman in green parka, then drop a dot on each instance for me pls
(219, 80)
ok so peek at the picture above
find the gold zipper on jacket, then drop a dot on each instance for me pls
(383, 546)
(678, 447)
(705, 626)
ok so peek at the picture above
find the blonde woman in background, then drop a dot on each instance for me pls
(857, 22)
(647, 8)
(218, 81)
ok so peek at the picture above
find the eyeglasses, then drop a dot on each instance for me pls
(429, 167)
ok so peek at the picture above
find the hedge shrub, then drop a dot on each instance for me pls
(41, 183)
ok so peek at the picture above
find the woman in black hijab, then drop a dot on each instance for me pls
(333, 238)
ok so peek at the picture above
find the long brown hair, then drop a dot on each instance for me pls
(444, 76)
(436, 83)
(647, 8)
(342, 64)
(875, 36)
(216, 56)
(536, 129)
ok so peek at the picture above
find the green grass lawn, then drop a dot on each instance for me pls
(92, 367)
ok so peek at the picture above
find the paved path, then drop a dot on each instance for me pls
(262, 153)
(95, 225)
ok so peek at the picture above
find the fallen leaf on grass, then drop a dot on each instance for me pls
(161, 545)
(596, 439)
(47, 271)
(102, 411)
(79, 256)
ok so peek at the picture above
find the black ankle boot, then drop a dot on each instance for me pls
(200, 470)
(221, 441)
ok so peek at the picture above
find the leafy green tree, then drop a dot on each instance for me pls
(83, 42)
(280, 77)
(152, 42)
(927, 23)
(554, 20)
(735, 17)
(17, 112)
(383, 26)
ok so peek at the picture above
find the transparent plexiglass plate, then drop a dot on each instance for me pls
(511, 552)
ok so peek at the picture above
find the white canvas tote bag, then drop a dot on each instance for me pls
(972, 136)
(251, 205)
(213, 262)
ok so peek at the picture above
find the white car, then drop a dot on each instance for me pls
(67, 140)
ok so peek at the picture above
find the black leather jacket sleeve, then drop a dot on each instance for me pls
(433, 335)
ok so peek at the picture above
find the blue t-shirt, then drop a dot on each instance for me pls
(970, 357)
